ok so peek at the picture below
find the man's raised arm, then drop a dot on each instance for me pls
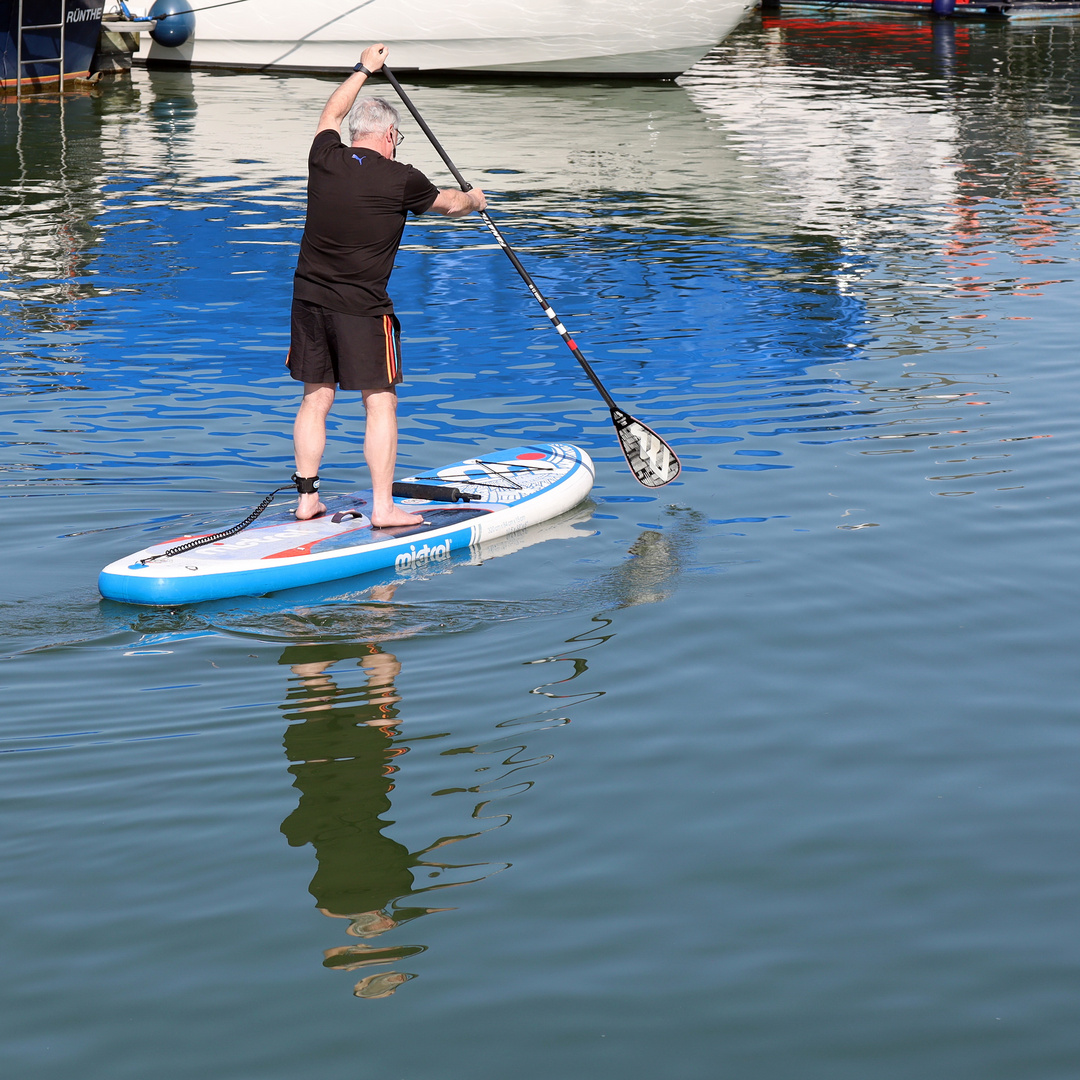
(341, 100)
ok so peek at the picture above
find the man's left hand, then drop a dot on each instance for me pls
(374, 56)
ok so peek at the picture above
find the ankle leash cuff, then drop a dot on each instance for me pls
(306, 485)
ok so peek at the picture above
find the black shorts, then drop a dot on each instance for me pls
(358, 352)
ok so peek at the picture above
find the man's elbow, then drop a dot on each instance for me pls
(447, 203)
(454, 203)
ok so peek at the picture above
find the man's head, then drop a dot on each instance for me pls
(374, 122)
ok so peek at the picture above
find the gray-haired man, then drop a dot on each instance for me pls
(344, 331)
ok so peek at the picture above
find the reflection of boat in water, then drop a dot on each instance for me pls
(52, 176)
(834, 151)
(864, 125)
(641, 148)
(556, 37)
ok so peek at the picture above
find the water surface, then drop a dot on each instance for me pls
(767, 774)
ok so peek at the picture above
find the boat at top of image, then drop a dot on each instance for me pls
(570, 38)
(46, 42)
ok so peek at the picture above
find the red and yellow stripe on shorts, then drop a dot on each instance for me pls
(393, 360)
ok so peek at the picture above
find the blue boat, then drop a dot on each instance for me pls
(44, 43)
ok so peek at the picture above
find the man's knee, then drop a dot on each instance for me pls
(381, 401)
(318, 397)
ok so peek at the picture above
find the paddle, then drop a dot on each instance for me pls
(651, 460)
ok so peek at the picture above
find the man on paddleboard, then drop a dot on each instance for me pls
(344, 331)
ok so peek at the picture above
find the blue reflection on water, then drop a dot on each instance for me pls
(169, 350)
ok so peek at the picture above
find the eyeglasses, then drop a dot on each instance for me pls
(398, 137)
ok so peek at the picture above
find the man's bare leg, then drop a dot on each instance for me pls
(380, 452)
(309, 441)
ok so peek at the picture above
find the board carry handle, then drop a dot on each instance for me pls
(405, 490)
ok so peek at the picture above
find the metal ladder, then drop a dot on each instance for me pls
(20, 63)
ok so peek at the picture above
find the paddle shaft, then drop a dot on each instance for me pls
(464, 184)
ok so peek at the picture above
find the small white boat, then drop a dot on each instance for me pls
(600, 38)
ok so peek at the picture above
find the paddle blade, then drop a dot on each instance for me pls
(651, 460)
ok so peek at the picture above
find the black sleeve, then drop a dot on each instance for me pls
(323, 141)
(420, 192)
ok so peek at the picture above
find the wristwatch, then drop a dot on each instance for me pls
(360, 67)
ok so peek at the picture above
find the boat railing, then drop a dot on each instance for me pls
(21, 64)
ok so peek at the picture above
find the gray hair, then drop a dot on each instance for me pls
(371, 114)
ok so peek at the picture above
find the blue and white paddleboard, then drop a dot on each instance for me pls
(508, 491)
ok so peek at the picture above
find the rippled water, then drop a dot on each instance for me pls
(768, 774)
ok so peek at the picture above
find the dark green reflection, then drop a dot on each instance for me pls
(344, 765)
(341, 740)
(345, 746)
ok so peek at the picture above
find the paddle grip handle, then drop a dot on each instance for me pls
(405, 490)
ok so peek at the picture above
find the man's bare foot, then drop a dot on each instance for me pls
(381, 985)
(394, 518)
(309, 507)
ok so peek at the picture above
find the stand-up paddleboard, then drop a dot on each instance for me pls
(496, 495)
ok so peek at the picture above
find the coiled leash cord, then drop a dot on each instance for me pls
(305, 485)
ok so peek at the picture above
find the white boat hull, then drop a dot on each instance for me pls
(554, 37)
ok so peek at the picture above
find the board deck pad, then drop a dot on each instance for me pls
(516, 488)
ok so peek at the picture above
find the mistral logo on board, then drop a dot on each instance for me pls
(84, 14)
(415, 556)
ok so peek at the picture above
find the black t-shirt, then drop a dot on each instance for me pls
(357, 204)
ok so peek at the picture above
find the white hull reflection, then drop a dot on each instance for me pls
(602, 38)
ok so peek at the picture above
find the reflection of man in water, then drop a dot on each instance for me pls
(343, 754)
(341, 744)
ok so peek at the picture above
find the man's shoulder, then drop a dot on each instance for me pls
(413, 176)
(402, 168)
(399, 174)
(326, 139)
(325, 144)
